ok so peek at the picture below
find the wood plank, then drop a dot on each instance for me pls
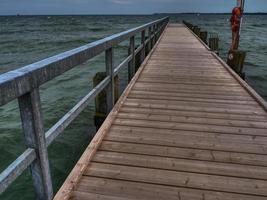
(182, 165)
(191, 127)
(229, 90)
(192, 120)
(179, 66)
(185, 153)
(180, 179)
(191, 91)
(188, 77)
(136, 95)
(198, 135)
(240, 117)
(194, 95)
(177, 140)
(251, 108)
(144, 191)
(77, 195)
(184, 69)
(170, 80)
(193, 75)
(165, 105)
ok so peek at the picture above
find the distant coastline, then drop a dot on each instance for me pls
(170, 14)
(197, 13)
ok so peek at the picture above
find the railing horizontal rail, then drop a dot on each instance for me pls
(18, 82)
(122, 65)
(16, 168)
(23, 84)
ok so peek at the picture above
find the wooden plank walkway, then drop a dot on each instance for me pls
(186, 128)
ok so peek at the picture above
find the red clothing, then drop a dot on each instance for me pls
(235, 19)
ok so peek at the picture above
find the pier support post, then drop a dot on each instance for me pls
(154, 36)
(110, 72)
(32, 123)
(236, 61)
(143, 51)
(196, 30)
(150, 42)
(204, 36)
(131, 66)
(101, 111)
(214, 42)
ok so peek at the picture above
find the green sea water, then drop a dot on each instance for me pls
(27, 39)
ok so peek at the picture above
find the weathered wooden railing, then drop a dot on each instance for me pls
(23, 84)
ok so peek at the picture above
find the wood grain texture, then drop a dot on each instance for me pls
(187, 129)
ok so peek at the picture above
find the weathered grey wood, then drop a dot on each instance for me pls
(32, 123)
(110, 74)
(16, 168)
(154, 35)
(143, 40)
(149, 38)
(157, 32)
(18, 82)
(131, 69)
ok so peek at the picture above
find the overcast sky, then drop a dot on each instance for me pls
(11, 7)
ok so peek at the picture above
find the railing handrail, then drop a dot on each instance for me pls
(20, 81)
(23, 84)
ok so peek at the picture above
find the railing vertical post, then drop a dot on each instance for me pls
(32, 123)
(131, 67)
(143, 40)
(149, 41)
(154, 35)
(159, 28)
(110, 72)
(157, 32)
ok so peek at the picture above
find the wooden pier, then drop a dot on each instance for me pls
(186, 128)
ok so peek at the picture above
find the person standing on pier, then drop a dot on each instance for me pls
(235, 26)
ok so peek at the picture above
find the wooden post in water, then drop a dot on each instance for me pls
(106, 99)
(235, 60)
(204, 36)
(131, 66)
(197, 30)
(110, 72)
(150, 42)
(147, 49)
(138, 60)
(101, 110)
(32, 123)
(214, 42)
(154, 36)
(143, 51)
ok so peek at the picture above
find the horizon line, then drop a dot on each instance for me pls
(171, 13)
